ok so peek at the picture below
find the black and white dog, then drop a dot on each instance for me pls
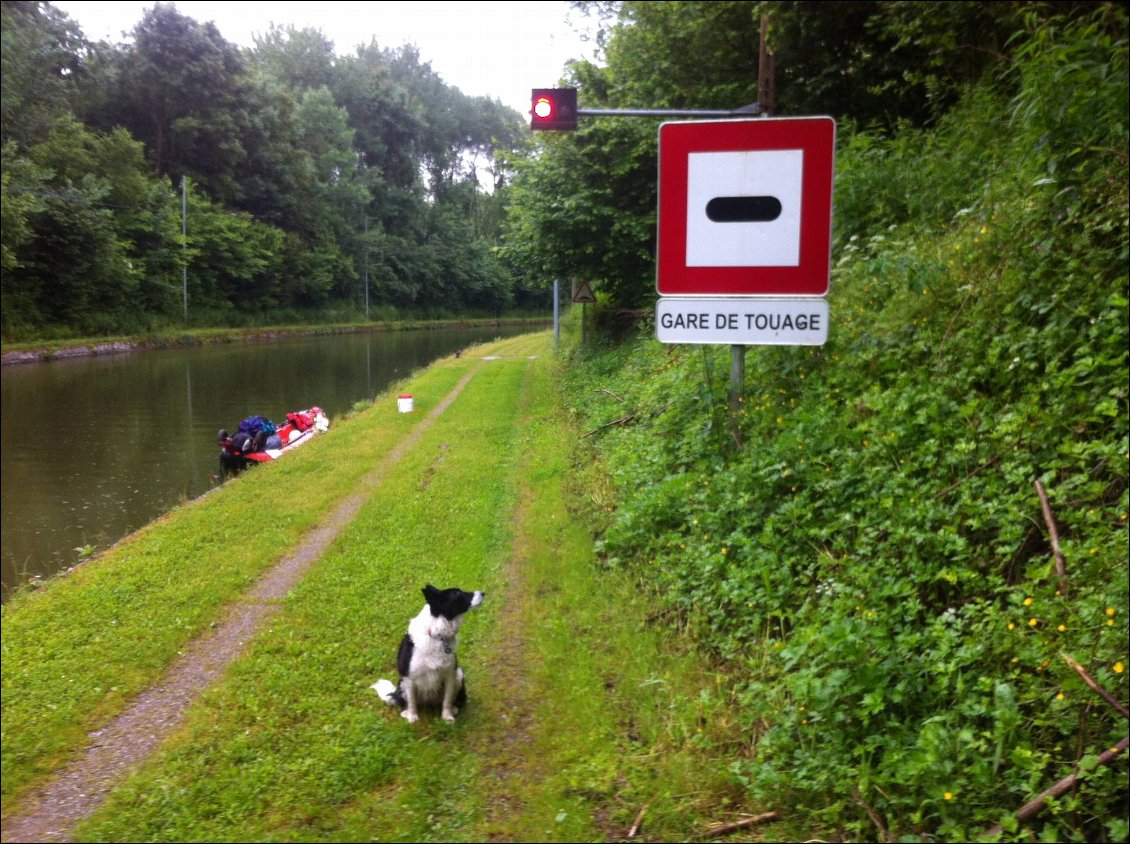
(429, 672)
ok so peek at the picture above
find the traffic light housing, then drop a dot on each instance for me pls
(553, 108)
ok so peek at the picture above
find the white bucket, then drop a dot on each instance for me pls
(404, 403)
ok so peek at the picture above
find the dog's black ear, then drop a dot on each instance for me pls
(429, 591)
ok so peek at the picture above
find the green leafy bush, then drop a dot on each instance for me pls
(872, 562)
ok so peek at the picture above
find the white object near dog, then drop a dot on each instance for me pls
(404, 403)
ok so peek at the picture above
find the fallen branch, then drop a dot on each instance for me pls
(618, 398)
(663, 613)
(876, 818)
(1036, 805)
(727, 828)
(1060, 560)
(623, 420)
(636, 826)
(1103, 693)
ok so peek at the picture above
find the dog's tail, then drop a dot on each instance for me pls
(388, 692)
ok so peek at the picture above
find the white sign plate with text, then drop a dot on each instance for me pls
(745, 321)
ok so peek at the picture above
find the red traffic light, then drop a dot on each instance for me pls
(543, 107)
(553, 108)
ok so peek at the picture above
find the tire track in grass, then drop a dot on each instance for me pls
(496, 778)
(509, 720)
(510, 738)
(119, 747)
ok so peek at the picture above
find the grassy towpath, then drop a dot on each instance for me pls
(581, 715)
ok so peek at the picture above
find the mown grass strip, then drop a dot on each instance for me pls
(77, 650)
(581, 713)
(294, 732)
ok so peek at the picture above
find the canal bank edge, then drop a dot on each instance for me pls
(85, 349)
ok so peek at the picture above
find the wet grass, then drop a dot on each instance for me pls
(582, 713)
(79, 647)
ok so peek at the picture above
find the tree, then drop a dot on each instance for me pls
(74, 265)
(181, 90)
(300, 59)
(41, 59)
(302, 166)
(583, 204)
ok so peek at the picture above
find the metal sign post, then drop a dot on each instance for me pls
(556, 313)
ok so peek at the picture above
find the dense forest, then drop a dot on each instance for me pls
(305, 173)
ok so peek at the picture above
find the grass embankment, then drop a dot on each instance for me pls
(75, 651)
(873, 558)
(580, 714)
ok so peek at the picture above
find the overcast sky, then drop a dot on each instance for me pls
(495, 49)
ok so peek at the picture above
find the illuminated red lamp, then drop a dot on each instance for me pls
(553, 108)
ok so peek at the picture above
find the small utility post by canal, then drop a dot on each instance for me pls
(184, 241)
(366, 267)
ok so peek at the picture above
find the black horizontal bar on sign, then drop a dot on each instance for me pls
(743, 209)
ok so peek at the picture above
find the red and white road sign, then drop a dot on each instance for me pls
(745, 207)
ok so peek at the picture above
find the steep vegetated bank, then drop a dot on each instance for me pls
(872, 561)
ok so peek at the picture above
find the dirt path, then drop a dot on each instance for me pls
(122, 745)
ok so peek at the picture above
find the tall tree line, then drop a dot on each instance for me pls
(305, 172)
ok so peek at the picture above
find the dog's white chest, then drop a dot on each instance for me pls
(433, 650)
(432, 654)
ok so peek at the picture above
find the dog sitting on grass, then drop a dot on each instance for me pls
(429, 671)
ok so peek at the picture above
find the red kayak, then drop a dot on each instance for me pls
(259, 440)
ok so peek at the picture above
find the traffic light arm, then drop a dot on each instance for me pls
(556, 109)
(745, 111)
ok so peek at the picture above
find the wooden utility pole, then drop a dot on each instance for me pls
(765, 104)
(766, 65)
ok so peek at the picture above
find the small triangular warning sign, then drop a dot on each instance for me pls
(582, 292)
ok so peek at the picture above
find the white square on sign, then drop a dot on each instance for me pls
(776, 174)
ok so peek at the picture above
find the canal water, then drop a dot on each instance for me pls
(95, 448)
